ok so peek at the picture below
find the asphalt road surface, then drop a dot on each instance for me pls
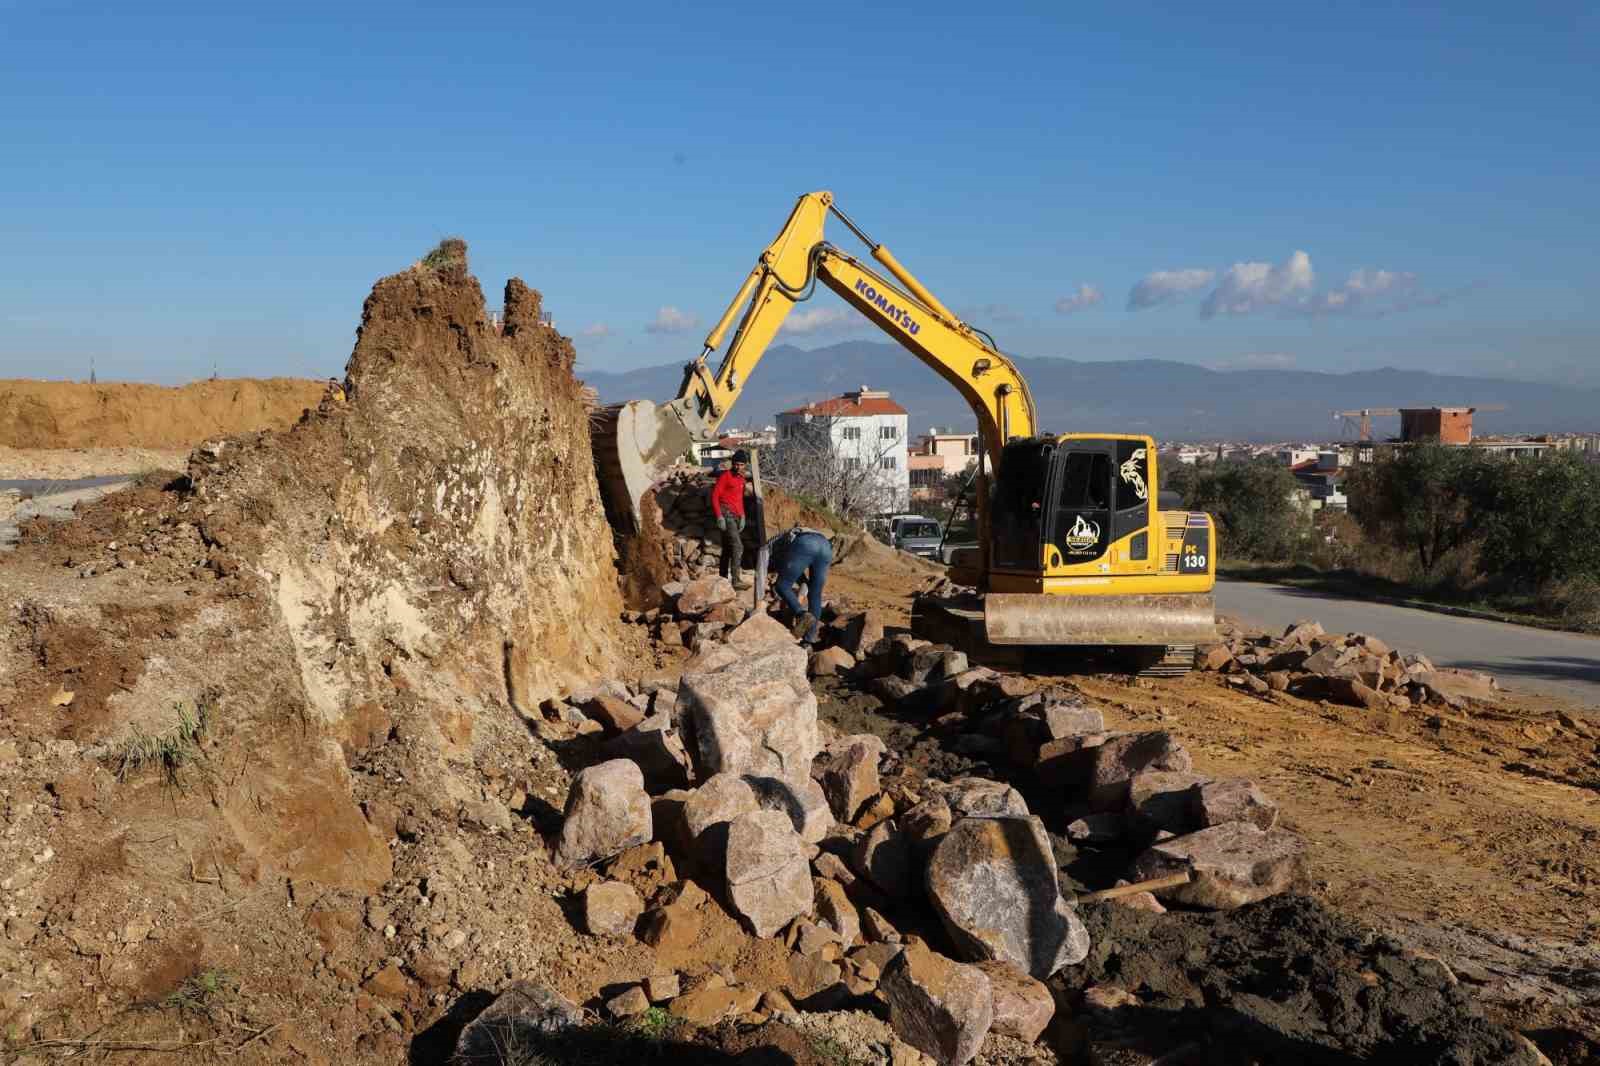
(1566, 665)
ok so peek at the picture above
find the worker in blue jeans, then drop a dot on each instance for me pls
(802, 552)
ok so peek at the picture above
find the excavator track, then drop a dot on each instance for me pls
(1175, 660)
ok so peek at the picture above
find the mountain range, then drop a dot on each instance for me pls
(1166, 399)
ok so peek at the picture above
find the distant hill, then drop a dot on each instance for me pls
(1169, 400)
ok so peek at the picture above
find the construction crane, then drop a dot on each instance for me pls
(1364, 414)
(1360, 419)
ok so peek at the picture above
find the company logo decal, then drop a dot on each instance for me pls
(1083, 537)
(1133, 474)
(896, 315)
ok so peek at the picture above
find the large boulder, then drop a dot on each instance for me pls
(611, 908)
(979, 797)
(941, 1007)
(709, 809)
(768, 877)
(760, 628)
(1164, 800)
(1022, 1006)
(521, 1016)
(1233, 799)
(864, 630)
(1230, 865)
(850, 774)
(883, 856)
(655, 746)
(754, 715)
(993, 882)
(702, 594)
(800, 799)
(608, 812)
(1121, 756)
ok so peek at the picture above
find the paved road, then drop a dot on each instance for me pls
(1532, 660)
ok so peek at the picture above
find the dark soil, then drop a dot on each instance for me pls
(1284, 981)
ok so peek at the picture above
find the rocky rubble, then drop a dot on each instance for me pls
(1353, 669)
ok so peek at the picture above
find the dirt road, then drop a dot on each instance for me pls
(1566, 665)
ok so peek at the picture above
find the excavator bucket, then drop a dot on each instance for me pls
(634, 443)
(1139, 620)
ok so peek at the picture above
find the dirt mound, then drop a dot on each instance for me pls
(268, 710)
(70, 414)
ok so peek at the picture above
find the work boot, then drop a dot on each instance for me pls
(740, 581)
(802, 625)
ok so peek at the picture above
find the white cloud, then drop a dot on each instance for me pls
(597, 330)
(1255, 361)
(1087, 296)
(1162, 287)
(1248, 287)
(671, 320)
(820, 320)
(1375, 293)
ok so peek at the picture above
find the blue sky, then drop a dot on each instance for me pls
(1326, 187)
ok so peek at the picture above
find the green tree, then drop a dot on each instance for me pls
(1258, 507)
(1417, 498)
(1538, 518)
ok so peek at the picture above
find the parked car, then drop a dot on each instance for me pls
(919, 536)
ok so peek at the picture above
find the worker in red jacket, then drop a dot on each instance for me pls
(727, 507)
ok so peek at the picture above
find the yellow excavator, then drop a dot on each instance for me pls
(1073, 546)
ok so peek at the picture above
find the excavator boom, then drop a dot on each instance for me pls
(637, 441)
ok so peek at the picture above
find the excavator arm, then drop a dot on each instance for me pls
(647, 438)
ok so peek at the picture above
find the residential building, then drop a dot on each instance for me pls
(867, 431)
(1447, 425)
(936, 456)
(1321, 479)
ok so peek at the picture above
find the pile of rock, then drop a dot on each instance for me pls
(1353, 669)
(722, 783)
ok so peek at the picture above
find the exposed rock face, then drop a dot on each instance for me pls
(1022, 1006)
(769, 880)
(993, 882)
(519, 1016)
(754, 715)
(460, 461)
(941, 1007)
(1231, 865)
(608, 812)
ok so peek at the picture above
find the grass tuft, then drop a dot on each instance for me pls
(199, 992)
(170, 750)
(448, 254)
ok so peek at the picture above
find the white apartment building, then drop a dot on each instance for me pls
(867, 431)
